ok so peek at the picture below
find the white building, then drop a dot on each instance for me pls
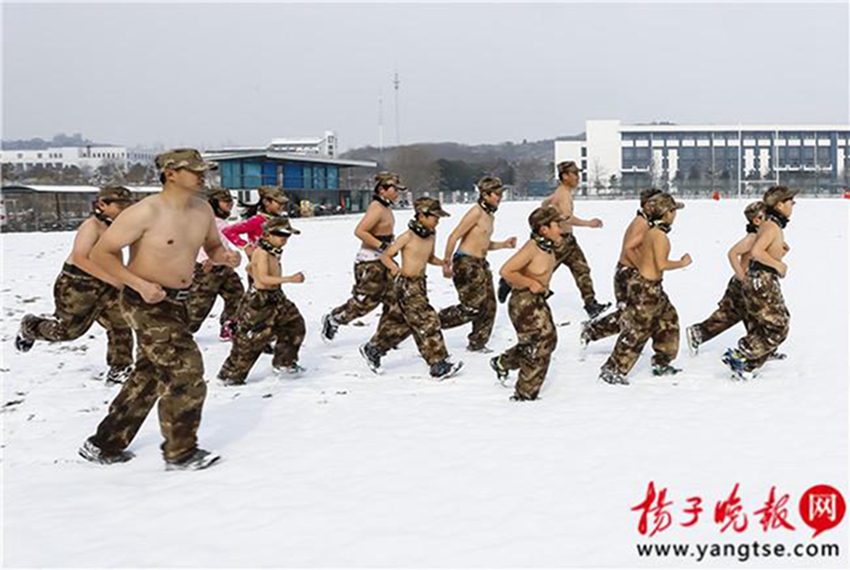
(81, 157)
(325, 146)
(707, 157)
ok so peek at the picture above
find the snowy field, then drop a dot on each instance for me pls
(344, 468)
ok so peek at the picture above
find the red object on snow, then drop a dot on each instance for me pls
(716, 195)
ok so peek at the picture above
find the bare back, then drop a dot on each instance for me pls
(476, 241)
(629, 252)
(562, 199)
(171, 237)
(87, 235)
(653, 249)
(416, 253)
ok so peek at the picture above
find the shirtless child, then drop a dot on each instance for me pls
(469, 269)
(411, 313)
(164, 233)
(529, 272)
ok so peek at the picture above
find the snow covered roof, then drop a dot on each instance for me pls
(73, 189)
(219, 157)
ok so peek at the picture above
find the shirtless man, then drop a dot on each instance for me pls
(266, 314)
(766, 311)
(411, 313)
(569, 253)
(529, 272)
(164, 233)
(596, 329)
(731, 308)
(649, 313)
(84, 293)
(371, 277)
(469, 269)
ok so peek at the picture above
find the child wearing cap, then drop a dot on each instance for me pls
(266, 314)
(411, 312)
(648, 312)
(468, 267)
(730, 309)
(765, 306)
(211, 281)
(529, 272)
(626, 270)
(84, 293)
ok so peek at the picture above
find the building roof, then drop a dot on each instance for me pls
(221, 157)
(743, 127)
(73, 189)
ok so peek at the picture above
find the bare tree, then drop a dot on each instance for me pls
(417, 168)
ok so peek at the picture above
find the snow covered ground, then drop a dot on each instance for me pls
(344, 468)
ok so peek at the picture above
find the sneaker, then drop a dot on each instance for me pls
(93, 453)
(292, 370)
(24, 342)
(501, 372)
(372, 357)
(611, 377)
(118, 374)
(664, 370)
(201, 459)
(227, 330)
(329, 327)
(227, 381)
(738, 364)
(520, 398)
(584, 338)
(693, 336)
(268, 349)
(504, 290)
(595, 308)
(445, 369)
(479, 349)
(777, 356)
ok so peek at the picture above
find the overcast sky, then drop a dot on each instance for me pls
(210, 74)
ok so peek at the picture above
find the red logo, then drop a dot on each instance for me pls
(822, 507)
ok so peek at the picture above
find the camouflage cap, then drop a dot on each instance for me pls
(115, 194)
(646, 194)
(188, 158)
(544, 215)
(428, 205)
(754, 210)
(660, 204)
(567, 166)
(490, 184)
(389, 179)
(777, 194)
(219, 194)
(273, 193)
(279, 226)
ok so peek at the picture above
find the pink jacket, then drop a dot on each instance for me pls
(252, 227)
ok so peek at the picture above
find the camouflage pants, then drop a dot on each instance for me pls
(570, 254)
(169, 368)
(371, 285)
(610, 324)
(648, 314)
(411, 314)
(768, 316)
(730, 311)
(536, 341)
(264, 316)
(220, 280)
(474, 282)
(80, 300)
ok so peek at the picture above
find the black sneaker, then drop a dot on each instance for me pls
(693, 338)
(595, 308)
(118, 374)
(372, 357)
(501, 371)
(268, 349)
(329, 327)
(23, 342)
(664, 370)
(504, 290)
(227, 381)
(201, 459)
(445, 369)
(479, 349)
(777, 356)
(520, 398)
(611, 377)
(93, 453)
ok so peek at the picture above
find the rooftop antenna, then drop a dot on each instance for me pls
(381, 127)
(397, 128)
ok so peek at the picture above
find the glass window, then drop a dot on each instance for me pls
(293, 176)
(308, 176)
(319, 180)
(270, 173)
(333, 177)
(251, 174)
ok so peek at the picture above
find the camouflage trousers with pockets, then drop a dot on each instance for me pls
(648, 314)
(536, 341)
(81, 299)
(768, 317)
(410, 313)
(730, 311)
(265, 315)
(169, 371)
(570, 254)
(372, 285)
(206, 286)
(609, 325)
(474, 283)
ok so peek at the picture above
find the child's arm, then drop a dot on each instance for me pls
(390, 252)
(736, 252)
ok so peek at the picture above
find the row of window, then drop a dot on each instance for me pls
(248, 174)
